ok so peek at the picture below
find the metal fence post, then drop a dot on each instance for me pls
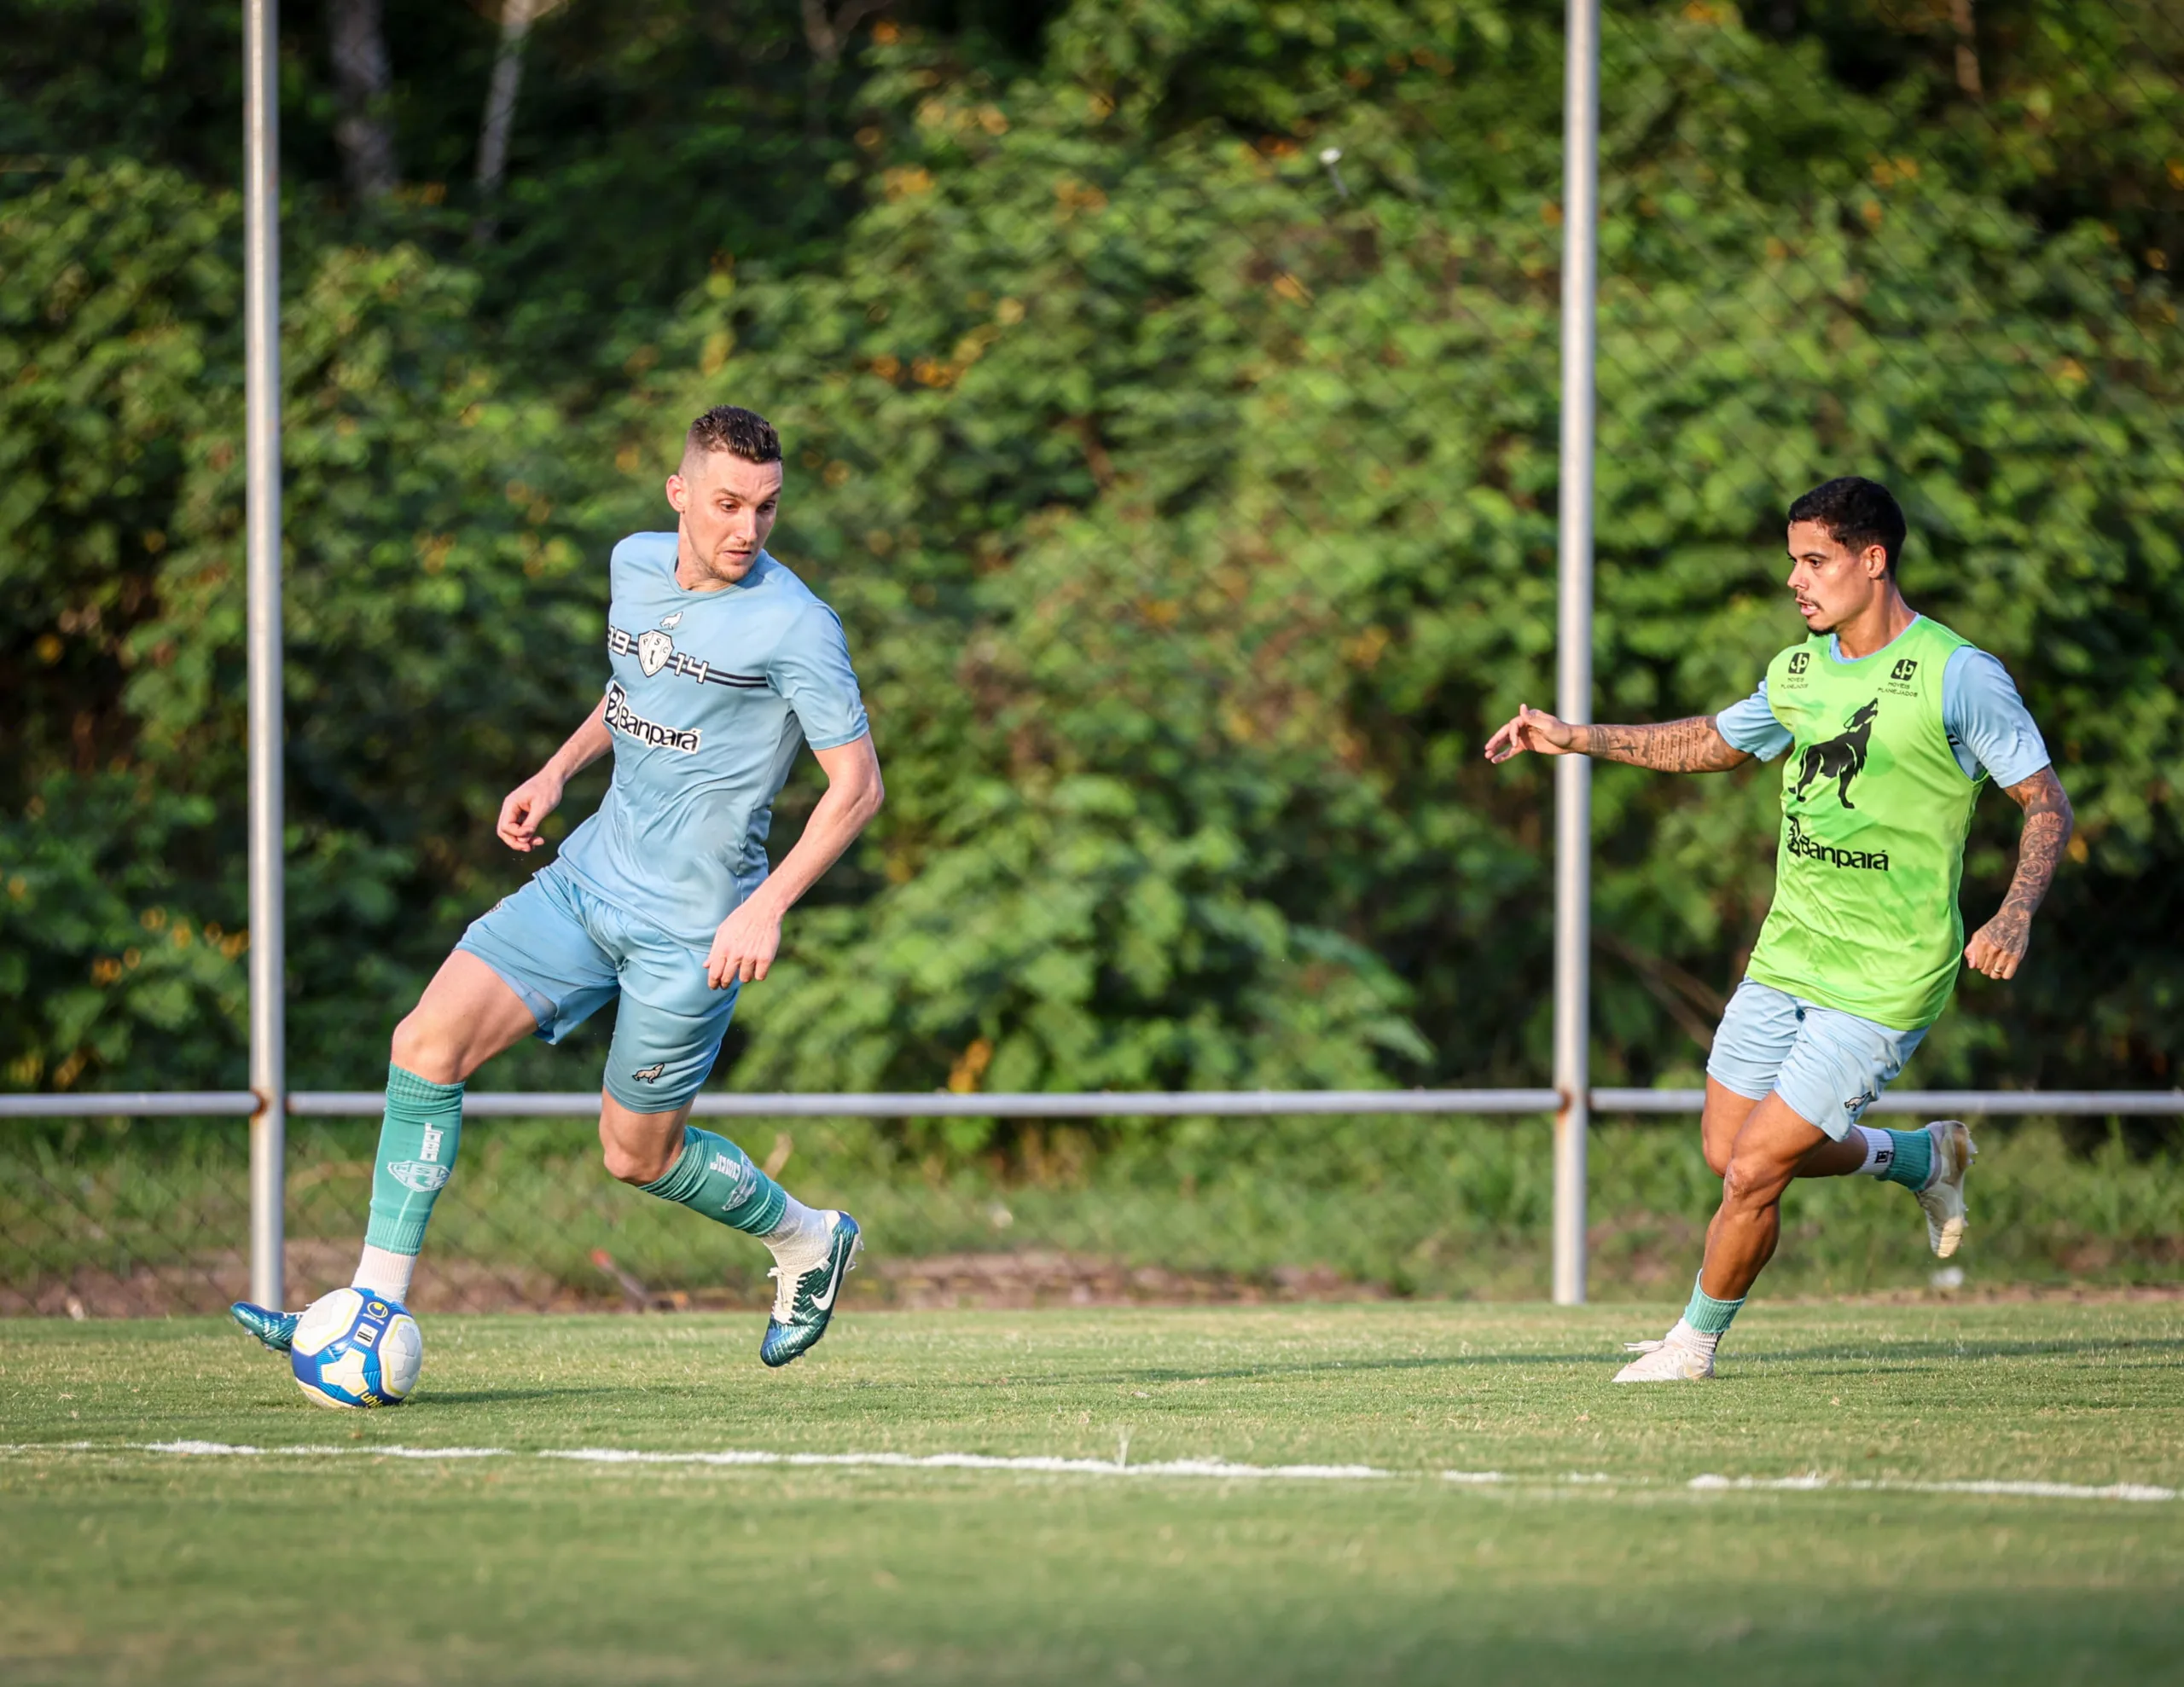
(1574, 646)
(262, 430)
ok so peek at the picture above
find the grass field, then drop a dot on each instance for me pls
(1583, 1538)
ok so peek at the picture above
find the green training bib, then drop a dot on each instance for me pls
(1874, 813)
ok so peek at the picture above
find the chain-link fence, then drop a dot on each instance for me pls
(1225, 535)
(153, 1221)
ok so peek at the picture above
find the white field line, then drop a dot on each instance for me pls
(1217, 1468)
(1815, 1483)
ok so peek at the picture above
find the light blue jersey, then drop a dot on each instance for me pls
(1988, 724)
(712, 696)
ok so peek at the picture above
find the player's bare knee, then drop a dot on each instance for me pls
(638, 1161)
(1751, 1181)
(1717, 1157)
(629, 1167)
(423, 1045)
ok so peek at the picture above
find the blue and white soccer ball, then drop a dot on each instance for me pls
(355, 1349)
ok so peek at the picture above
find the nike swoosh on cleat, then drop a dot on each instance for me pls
(826, 1302)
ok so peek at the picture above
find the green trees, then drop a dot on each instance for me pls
(1191, 507)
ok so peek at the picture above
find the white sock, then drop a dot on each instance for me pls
(1685, 1336)
(1880, 1151)
(385, 1274)
(800, 1240)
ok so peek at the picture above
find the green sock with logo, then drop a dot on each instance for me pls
(1911, 1165)
(417, 1139)
(713, 1176)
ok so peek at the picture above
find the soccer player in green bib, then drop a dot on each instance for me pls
(1891, 723)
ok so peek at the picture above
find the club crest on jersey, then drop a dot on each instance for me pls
(655, 653)
(420, 1175)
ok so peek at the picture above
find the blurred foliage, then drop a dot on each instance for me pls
(1189, 500)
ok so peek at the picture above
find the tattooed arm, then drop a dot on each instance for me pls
(1998, 946)
(1692, 746)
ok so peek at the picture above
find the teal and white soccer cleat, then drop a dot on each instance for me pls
(1665, 1362)
(804, 1301)
(277, 1330)
(1943, 1195)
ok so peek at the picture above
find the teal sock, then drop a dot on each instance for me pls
(417, 1141)
(1707, 1315)
(713, 1176)
(1912, 1163)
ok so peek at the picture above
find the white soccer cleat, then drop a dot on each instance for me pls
(1943, 1197)
(1665, 1362)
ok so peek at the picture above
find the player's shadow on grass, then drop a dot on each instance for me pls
(1866, 1357)
(2158, 1346)
(503, 1396)
(1350, 1366)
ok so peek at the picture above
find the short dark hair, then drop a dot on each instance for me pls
(741, 433)
(1857, 513)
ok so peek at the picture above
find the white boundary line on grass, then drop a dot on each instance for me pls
(1217, 1468)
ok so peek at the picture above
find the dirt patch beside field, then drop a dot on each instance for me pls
(1022, 1279)
(1028, 1277)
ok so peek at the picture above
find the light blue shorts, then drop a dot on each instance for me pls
(1829, 1065)
(567, 954)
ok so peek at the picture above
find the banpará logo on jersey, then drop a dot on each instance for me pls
(1803, 846)
(420, 1175)
(1841, 758)
(656, 651)
(623, 719)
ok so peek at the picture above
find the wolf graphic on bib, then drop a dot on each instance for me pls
(1841, 758)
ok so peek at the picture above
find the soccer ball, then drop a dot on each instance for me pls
(355, 1349)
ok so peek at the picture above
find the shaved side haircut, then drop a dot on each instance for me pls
(741, 433)
(1857, 513)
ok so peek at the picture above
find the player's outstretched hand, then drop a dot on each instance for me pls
(1997, 947)
(524, 809)
(1532, 729)
(744, 947)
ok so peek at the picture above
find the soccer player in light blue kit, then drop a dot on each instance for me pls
(724, 664)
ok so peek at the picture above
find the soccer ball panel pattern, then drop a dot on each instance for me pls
(401, 1356)
(355, 1350)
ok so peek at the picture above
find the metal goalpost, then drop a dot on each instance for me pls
(269, 1079)
(1573, 641)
